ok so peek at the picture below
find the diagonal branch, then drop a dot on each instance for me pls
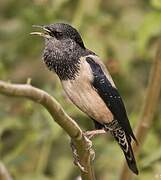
(81, 143)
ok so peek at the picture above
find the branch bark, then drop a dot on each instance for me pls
(149, 108)
(81, 143)
(4, 174)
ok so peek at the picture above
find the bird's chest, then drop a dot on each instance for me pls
(83, 95)
(79, 90)
(79, 93)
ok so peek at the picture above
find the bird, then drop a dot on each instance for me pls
(87, 83)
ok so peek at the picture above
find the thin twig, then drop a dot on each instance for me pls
(58, 114)
(149, 108)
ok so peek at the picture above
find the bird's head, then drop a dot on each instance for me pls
(63, 45)
(60, 34)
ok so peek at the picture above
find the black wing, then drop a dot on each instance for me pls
(110, 96)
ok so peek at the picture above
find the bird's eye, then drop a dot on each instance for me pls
(58, 34)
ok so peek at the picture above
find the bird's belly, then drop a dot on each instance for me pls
(84, 96)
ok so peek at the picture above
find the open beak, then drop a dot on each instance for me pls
(44, 34)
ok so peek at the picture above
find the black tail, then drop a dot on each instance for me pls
(125, 143)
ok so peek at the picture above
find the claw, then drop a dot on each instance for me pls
(92, 154)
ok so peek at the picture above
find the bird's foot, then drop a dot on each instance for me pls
(89, 148)
(91, 134)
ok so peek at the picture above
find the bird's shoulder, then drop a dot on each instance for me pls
(97, 66)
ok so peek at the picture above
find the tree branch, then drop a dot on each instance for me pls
(81, 143)
(4, 174)
(149, 108)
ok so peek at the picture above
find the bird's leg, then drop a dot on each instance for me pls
(91, 134)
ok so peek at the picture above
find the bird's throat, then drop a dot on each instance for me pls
(65, 66)
(64, 62)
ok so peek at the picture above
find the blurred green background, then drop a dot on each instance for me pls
(124, 33)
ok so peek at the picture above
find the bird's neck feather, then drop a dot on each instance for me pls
(65, 63)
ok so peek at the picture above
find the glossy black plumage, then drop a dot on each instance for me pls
(120, 127)
(110, 96)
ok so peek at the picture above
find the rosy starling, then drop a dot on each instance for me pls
(88, 84)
